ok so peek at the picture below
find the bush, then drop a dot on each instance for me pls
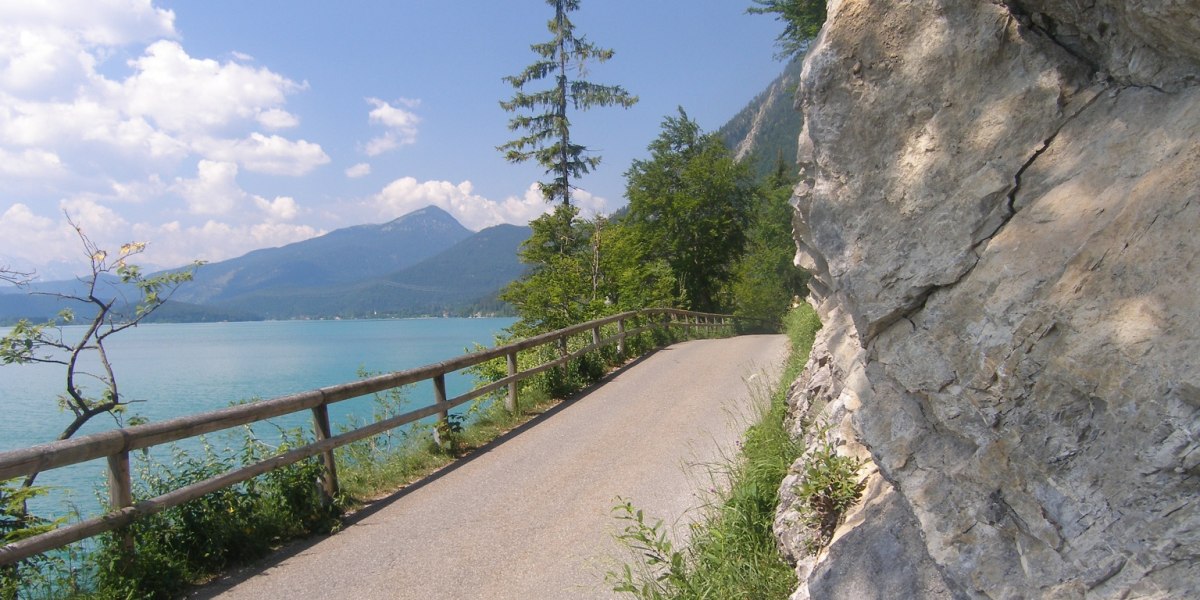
(229, 526)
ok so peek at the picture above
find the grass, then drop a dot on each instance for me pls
(732, 554)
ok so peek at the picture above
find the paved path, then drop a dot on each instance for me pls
(530, 517)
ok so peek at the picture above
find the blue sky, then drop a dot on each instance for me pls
(211, 128)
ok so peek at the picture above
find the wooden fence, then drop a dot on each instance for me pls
(116, 445)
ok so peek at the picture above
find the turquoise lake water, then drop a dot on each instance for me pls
(171, 370)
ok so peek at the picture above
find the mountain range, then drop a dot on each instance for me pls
(423, 263)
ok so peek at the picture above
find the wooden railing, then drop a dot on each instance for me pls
(116, 445)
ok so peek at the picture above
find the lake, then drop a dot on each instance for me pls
(176, 369)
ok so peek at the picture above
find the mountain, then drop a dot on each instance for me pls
(455, 281)
(424, 263)
(339, 257)
(768, 128)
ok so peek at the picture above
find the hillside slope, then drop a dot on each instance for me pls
(767, 129)
(423, 263)
(454, 281)
(339, 257)
(999, 208)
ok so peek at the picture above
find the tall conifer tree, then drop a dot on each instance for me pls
(548, 128)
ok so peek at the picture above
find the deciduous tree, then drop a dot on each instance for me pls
(765, 278)
(91, 382)
(689, 205)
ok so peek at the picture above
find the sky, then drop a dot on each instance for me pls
(209, 128)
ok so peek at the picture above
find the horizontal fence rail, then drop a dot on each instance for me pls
(115, 445)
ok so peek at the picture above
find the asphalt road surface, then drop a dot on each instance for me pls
(531, 516)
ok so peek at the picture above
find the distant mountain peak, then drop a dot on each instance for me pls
(430, 218)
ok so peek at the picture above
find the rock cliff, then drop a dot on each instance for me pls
(1001, 208)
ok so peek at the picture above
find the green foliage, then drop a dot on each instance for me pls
(802, 21)
(229, 526)
(447, 433)
(732, 554)
(558, 290)
(689, 205)
(45, 342)
(828, 487)
(17, 523)
(765, 280)
(663, 571)
(548, 140)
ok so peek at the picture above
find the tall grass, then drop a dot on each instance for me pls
(732, 553)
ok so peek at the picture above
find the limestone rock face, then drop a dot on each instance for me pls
(1001, 206)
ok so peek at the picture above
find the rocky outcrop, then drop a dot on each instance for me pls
(1000, 206)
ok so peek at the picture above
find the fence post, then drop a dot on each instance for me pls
(120, 494)
(621, 339)
(439, 398)
(439, 395)
(329, 480)
(510, 403)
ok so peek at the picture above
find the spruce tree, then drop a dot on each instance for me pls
(548, 128)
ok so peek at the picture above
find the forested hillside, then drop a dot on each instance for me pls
(766, 131)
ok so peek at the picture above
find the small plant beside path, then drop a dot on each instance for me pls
(732, 554)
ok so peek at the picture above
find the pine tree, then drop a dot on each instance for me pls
(548, 138)
(802, 20)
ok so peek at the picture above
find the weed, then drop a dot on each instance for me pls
(732, 554)
(829, 486)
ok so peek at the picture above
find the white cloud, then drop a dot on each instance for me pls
(381, 144)
(460, 200)
(283, 208)
(173, 244)
(276, 118)
(395, 117)
(100, 22)
(401, 125)
(273, 155)
(32, 164)
(54, 101)
(102, 224)
(180, 93)
(46, 47)
(214, 191)
(27, 238)
(359, 170)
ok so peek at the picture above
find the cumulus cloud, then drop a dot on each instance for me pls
(276, 118)
(283, 208)
(55, 99)
(401, 125)
(174, 244)
(359, 170)
(46, 47)
(214, 191)
(273, 155)
(103, 224)
(32, 239)
(180, 93)
(471, 209)
(30, 163)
